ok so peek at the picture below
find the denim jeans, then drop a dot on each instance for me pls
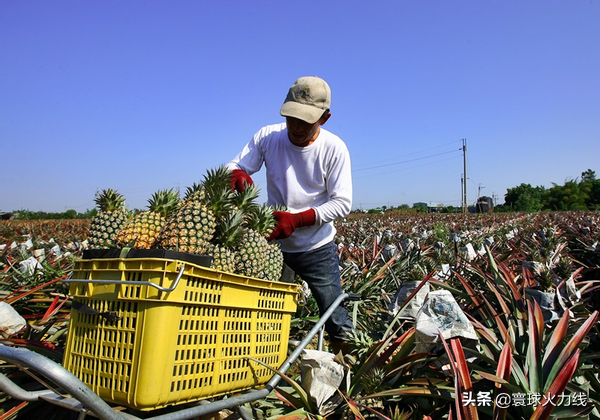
(320, 269)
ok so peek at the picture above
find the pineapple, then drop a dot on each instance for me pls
(274, 262)
(143, 230)
(256, 257)
(109, 220)
(193, 193)
(191, 227)
(251, 258)
(228, 235)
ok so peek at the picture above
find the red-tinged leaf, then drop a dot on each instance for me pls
(505, 362)
(354, 408)
(554, 346)
(503, 371)
(14, 410)
(492, 378)
(534, 371)
(461, 364)
(508, 280)
(385, 356)
(485, 332)
(294, 417)
(287, 398)
(571, 347)
(53, 308)
(473, 294)
(505, 309)
(469, 412)
(33, 290)
(496, 316)
(548, 403)
(539, 320)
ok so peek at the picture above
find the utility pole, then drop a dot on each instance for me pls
(465, 202)
(462, 194)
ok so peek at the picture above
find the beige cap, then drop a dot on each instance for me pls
(307, 99)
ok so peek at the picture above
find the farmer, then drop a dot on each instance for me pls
(308, 172)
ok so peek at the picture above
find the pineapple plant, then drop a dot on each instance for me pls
(142, 231)
(109, 220)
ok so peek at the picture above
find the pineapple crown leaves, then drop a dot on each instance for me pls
(110, 200)
(164, 202)
(245, 199)
(216, 180)
(220, 202)
(260, 218)
(230, 230)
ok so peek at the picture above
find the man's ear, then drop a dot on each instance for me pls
(324, 118)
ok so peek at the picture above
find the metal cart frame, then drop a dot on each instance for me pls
(75, 395)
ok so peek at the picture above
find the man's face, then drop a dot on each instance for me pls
(302, 133)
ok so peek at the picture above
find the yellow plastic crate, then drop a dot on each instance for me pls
(179, 346)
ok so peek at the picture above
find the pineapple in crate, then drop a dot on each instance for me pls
(260, 223)
(109, 220)
(142, 231)
(239, 244)
(191, 227)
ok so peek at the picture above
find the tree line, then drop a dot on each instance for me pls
(577, 194)
(42, 215)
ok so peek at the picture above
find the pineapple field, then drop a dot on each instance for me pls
(458, 315)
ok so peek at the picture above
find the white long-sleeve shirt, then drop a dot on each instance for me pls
(317, 176)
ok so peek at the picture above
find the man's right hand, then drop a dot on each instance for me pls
(239, 180)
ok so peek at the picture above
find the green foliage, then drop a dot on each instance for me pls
(524, 198)
(572, 195)
(42, 215)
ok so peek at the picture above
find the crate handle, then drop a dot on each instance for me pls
(137, 283)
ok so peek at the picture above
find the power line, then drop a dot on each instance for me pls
(361, 176)
(403, 161)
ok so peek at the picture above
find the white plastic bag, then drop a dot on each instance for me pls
(440, 314)
(10, 320)
(322, 376)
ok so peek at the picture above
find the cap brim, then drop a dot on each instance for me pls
(307, 113)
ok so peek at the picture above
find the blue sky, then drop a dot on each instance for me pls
(146, 95)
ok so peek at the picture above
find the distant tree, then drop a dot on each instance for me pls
(591, 187)
(69, 214)
(570, 196)
(524, 198)
(588, 175)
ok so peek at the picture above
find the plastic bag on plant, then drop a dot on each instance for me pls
(414, 305)
(322, 376)
(440, 314)
(10, 320)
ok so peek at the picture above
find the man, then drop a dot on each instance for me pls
(308, 172)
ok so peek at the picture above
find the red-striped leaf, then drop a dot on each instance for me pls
(548, 403)
(534, 371)
(571, 347)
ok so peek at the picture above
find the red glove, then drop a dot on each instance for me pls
(239, 180)
(287, 223)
